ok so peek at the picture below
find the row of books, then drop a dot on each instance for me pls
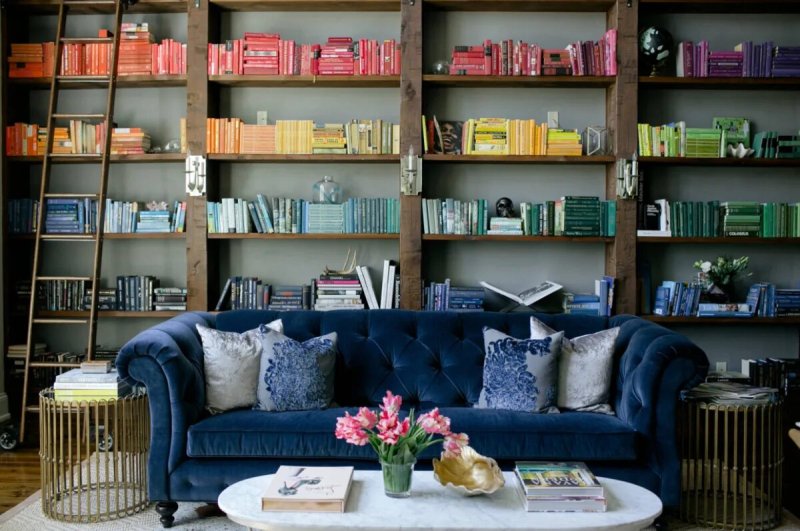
(70, 216)
(251, 293)
(302, 137)
(598, 303)
(269, 54)
(129, 217)
(62, 294)
(79, 138)
(22, 215)
(745, 60)
(766, 300)
(442, 296)
(517, 58)
(568, 216)
(339, 292)
(763, 300)
(558, 487)
(779, 373)
(285, 215)
(133, 293)
(692, 219)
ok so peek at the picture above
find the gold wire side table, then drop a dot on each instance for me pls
(731, 464)
(93, 457)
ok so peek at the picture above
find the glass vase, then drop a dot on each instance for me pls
(327, 191)
(397, 479)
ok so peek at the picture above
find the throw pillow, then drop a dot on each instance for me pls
(296, 375)
(519, 374)
(231, 363)
(585, 367)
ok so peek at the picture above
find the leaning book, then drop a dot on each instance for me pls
(313, 489)
(557, 479)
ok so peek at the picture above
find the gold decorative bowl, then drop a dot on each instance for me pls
(470, 473)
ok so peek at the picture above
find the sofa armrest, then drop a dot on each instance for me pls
(655, 366)
(168, 360)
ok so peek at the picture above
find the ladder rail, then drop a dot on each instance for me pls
(53, 105)
(101, 197)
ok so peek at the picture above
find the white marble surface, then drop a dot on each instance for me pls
(432, 506)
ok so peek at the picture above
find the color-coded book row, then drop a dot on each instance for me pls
(598, 303)
(443, 297)
(70, 216)
(80, 138)
(22, 215)
(269, 54)
(155, 217)
(251, 293)
(746, 60)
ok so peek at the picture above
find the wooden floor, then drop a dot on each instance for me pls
(19, 476)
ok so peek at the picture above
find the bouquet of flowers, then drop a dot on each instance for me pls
(722, 271)
(399, 441)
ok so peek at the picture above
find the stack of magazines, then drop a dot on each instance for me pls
(731, 393)
(558, 487)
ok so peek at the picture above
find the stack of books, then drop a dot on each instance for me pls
(106, 299)
(489, 136)
(328, 139)
(741, 218)
(442, 296)
(786, 62)
(704, 142)
(76, 385)
(558, 487)
(135, 54)
(725, 64)
(454, 216)
(315, 489)
(135, 293)
(31, 60)
(290, 298)
(338, 292)
(70, 216)
(127, 217)
(129, 141)
(62, 294)
(564, 143)
(581, 303)
(505, 226)
(244, 293)
(23, 214)
(577, 216)
(336, 57)
(170, 299)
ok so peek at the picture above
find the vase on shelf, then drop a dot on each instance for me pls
(327, 191)
(720, 293)
(397, 479)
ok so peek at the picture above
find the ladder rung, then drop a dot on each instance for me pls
(61, 321)
(69, 237)
(84, 79)
(56, 157)
(52, 365)
(79, 116)
(86, 279)
(86, 40)
(71, 196)
(32, 409)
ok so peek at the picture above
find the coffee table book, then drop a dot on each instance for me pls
(557, 479)
(313, 488)
(560, 504)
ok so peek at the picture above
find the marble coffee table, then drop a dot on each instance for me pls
(432, 506)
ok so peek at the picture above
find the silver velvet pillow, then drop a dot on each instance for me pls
(584, 370)
(519, 374)
(231, 364)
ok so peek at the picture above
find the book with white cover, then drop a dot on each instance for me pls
(78, 376)
(313, 488)
(366, 284)
(528, 296)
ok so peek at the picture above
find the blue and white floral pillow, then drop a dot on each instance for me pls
(296, 375)
(520, 374)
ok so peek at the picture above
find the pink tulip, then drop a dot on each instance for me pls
(387, 421)
(391, 403)
(366, 418)
(453, 444)
(434, 423)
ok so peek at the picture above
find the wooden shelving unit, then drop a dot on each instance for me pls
(305, 159)
(517, 159)
(151, 158)
(720, 83)
(274, 236)
(162, 81)
(513, 238)
(307, 5)
(575, 6)
(228, 80)
(519, 81)
(142, 6)
(719, 6)
(722, 162)
(735, 240)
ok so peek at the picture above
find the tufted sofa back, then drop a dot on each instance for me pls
(430, 358)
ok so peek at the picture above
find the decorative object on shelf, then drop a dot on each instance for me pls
(739, 151)
(441, 67)
(397, 442)
(326, 191)
(469, 473)
(655, 47)
(172, 146)
(719, 277)
(628, 178)
(411, 173)
(597, 140)
(348, 267)
(195, 175)
(505, 208)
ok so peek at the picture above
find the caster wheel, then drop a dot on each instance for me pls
(9, 439)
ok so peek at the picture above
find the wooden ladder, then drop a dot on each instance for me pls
(58, 81)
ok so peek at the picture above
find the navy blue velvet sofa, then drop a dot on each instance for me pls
(431, 359)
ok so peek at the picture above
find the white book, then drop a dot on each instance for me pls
(314, 488)
(384, 281)
(372, 299)
(390, 286)
(654, 233)
(528, 296)
(78, 376)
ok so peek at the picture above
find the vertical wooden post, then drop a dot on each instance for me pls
(410, 136)
(197, 103)
(621, 116)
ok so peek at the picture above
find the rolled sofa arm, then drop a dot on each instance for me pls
(168, 360)
(655, 366)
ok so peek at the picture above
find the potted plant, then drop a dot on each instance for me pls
(719, 277)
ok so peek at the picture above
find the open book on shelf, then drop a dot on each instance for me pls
(527, 296)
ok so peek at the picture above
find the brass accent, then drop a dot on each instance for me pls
(731, 465)
(93, 457)
(470, 473)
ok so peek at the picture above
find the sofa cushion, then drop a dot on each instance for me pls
(500, 434)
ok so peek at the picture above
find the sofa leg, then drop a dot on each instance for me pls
(165, 510)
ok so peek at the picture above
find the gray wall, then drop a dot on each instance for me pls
(513, 266)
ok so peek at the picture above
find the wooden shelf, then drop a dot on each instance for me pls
(518, 159)
(691, 320)
(226, 157)
(721, 83)
(512, 238)
(726, 162)
(307, 5)
(306, 81)
(142, 6)
(720, 6)
(520, 5)
(144, 235)
(721, 239)
(520, 81)
(111, 314)
(274, 236)
(95, 159)
(44, 83)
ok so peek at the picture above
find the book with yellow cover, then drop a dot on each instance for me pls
(557, 479)
(313, 488)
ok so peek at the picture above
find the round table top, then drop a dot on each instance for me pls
(432, 506)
